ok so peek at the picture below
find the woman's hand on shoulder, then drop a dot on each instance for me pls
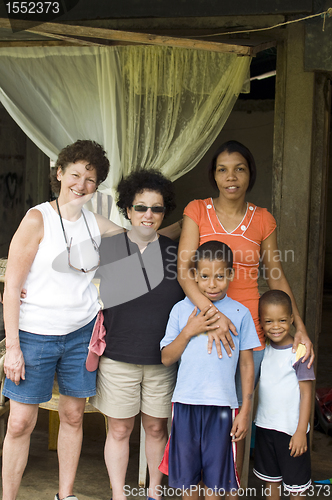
(222, 333)
(302, 337)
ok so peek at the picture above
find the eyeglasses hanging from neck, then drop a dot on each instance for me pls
(68, 246)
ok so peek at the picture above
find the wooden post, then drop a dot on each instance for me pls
(318, 209)
(318, 205)
(294, 112)
(302, 126)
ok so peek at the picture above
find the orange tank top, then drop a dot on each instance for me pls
(245, 241)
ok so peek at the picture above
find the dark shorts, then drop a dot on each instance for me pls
(273, 462)
(46, 354)
(200, 447)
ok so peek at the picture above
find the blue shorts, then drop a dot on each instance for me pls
(258, 358)
(200, 447)
(274, 463)
(46, 354)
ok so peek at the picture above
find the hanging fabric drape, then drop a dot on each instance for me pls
(55, 95)
(176, 103)
(150, 107)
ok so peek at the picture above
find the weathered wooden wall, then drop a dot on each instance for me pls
(24, 172)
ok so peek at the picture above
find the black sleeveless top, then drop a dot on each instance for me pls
(138, 292)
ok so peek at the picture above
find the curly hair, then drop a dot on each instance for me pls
(141, 180)
(81, 150)
(233, 147)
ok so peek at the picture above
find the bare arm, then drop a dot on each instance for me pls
(189, 243)
(106, 226)
(22, 251)
(197, 323)
(173, 231)
(109, 228)
(276, 280)
(298, 442)
(241, 422)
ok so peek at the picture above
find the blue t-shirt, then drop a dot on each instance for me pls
(204, 379)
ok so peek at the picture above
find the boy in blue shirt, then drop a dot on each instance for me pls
(206, 422)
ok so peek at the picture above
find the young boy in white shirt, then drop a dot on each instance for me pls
(282, 419)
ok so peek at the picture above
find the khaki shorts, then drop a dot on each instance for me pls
(125, 389)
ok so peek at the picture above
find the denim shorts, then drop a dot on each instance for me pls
(45, 355)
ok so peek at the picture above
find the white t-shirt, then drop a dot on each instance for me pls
(279, 390)
(60, 300)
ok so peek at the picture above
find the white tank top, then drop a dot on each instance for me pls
(60, 300)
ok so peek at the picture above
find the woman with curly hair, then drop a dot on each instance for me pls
(138, 288)
(53, 254)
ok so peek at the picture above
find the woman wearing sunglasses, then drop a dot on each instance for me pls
(138, 288)
(54, 254)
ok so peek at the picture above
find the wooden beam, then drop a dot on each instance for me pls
(126, 36)
(263, 46)
(71, 40)
(36, 43)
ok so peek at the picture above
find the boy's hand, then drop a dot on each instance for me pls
(200, 323)
(298, 444)
(240, 427)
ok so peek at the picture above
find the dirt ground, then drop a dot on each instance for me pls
(41, 476)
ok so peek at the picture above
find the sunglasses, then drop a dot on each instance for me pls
(154, 210)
